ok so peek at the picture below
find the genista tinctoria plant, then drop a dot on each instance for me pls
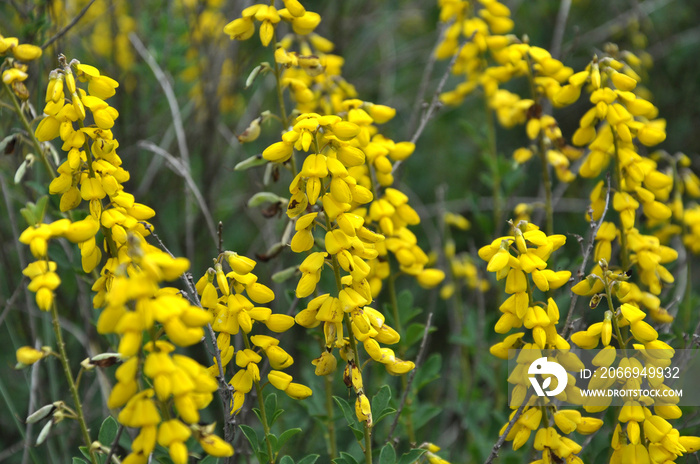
(614, 134)
(343, 187)
(350, 230)
(159, 390)
(347, 216)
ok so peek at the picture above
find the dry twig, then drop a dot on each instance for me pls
(586, 255)
(502, 438)
(68, 26)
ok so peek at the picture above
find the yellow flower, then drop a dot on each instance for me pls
(325, 364)
(278, 152)
(298, 391)
(430, 278)
(140, 411)
(363, 410)
(27, 355)
(240, 29)
(12, 75)
(215, 446)
(173, 434)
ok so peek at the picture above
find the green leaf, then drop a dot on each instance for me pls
(286, 460)
(406, 309)
(414, 334)
(28, 215)
(263, 67)
(285, 436)
(271, 404)
(253, 161)
(261, 198)
(272, 438)
(358, 432)
(257, 413)
(284, 274)
(387, 455)
(405, 299)
(429, 371)
(380, 404)
(274, 416)
(84, 450)
(383, 414)
(345, 458)
(40, 208)
(310, 459)
(348, 412)
(251, 436)
(424, 414)
(79, 461)
(108, 431)
(209, 460)
(411, 457)
(381, 399)
(21, 171)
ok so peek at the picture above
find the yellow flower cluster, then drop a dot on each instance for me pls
(520, 309)
(134, 304)
(624, 117)
(663, 443)
(222, 294)
(521, 259)
(609, 129)
(92, 170)
(337, 188)
(42, 272)
(554, 446)
(484, 25)
(16, 73)
(303, 22)
(326, 184)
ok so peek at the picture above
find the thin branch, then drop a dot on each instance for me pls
(70, 327)
(68, 26)
(178, 126)
(435, 102)
(110, 455)
(220, 233)
(215, 352)
(686, 38)
(184, 173)
(169, 94)
(502, 438)
(425, 80)
(11, 450)
(156, 163)
(603, 32)
(9, 303)
(560, 28)
(586, 255)
(14, 227)
(411, 376)
(564, 205)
